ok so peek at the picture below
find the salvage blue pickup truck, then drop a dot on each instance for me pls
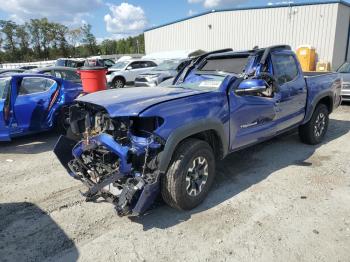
(130, 144)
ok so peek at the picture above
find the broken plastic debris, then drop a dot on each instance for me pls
(9, 160)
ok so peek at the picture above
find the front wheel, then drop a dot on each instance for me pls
(190, 175)
(118, 83)
(313, 132)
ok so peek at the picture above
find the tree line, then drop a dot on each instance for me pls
(40, 39)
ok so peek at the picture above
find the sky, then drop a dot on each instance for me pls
(116, 19)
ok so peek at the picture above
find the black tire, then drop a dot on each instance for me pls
(72, 135)
(313, 132)
(61, 124)
(118, 82)
(175, 187)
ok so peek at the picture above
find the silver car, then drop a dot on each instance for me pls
(344, 70)
(164, 71)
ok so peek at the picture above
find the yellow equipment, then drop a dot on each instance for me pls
(307, 57)
(323, 66)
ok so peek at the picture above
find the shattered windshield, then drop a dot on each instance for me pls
(4, 83)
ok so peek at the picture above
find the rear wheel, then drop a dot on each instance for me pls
(313, 132)
(190, 175)
(118, 82)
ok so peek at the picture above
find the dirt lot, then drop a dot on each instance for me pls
(278, 201)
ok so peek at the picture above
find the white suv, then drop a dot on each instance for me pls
(125, 72)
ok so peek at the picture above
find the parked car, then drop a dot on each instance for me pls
(134, 143)
(344, 71)
(164, 71)
(70, 62)
(125, 72)
(97, 61)
(31, 103)
(29, 67)
(11, 71)
(66, 73)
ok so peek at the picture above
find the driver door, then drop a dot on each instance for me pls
(32, 102)
(252, 119)
(5, 109)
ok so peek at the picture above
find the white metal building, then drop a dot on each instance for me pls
(324, 25)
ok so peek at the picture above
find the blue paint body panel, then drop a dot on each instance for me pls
(130, 101)
(36, 112)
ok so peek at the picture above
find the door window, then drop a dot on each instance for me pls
(32, 85)
(285, 68)
(135, 65)
(149, 64)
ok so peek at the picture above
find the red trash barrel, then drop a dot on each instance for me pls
(93, 79)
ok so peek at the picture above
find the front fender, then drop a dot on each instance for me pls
(188, 130)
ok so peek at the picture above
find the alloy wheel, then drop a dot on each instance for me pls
(320, 125)
(197, 176)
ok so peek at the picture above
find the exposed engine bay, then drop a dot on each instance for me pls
(115, 158)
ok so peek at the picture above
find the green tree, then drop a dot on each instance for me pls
(8, 28)
(88, 39)
(108, 47)
(41, 39)
(35, 32)
(74, 37)
(23, 42)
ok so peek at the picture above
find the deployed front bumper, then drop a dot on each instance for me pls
(139, 191)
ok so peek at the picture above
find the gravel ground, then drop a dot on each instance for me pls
(278, 201)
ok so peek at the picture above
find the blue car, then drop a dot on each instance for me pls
(31, 103)
(137, 142)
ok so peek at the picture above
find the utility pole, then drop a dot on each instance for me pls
(138, 46)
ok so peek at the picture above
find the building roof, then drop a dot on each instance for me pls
(268, 6)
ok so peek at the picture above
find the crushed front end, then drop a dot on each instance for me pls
(116, 158)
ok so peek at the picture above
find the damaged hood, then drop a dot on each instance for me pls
(132, 101)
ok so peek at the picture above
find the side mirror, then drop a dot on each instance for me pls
(129, 68)
(251, 86)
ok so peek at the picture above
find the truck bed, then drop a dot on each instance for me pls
(321, 84)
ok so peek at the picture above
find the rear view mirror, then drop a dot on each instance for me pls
(129, 68)
(251, 86)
